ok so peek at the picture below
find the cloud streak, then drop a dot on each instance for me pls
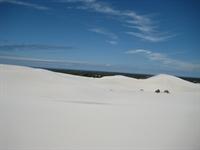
(149, 37)
(112, 42)
(104, 32)
(166, 60)
(139, 26)
(69, 62)
(13, 47)
(26, 4)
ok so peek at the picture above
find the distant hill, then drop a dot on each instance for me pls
(99, 74)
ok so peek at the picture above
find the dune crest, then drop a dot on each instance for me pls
(45, 77)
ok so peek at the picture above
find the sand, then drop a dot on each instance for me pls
(41, 110)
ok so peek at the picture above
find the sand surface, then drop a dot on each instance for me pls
(44, 110)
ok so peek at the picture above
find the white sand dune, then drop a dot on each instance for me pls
(40, 109)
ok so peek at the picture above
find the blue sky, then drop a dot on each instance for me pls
(157, 36)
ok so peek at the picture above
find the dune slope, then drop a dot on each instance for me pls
(40, 109)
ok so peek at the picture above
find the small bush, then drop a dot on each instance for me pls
(166, 91)
(157, 91)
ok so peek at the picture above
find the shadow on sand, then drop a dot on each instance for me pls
(83, 102)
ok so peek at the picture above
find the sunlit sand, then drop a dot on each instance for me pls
(40, 109)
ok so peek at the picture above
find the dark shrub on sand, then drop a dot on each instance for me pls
(157, 91)
(166, 91)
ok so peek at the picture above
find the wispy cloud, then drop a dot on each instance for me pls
(67, 62)
(11, 47)
(104, 32)
(148, 36)
(112, 42)
(138, 51)
(139, 26)
(112, 36)
(26, 4)
(166, 60)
